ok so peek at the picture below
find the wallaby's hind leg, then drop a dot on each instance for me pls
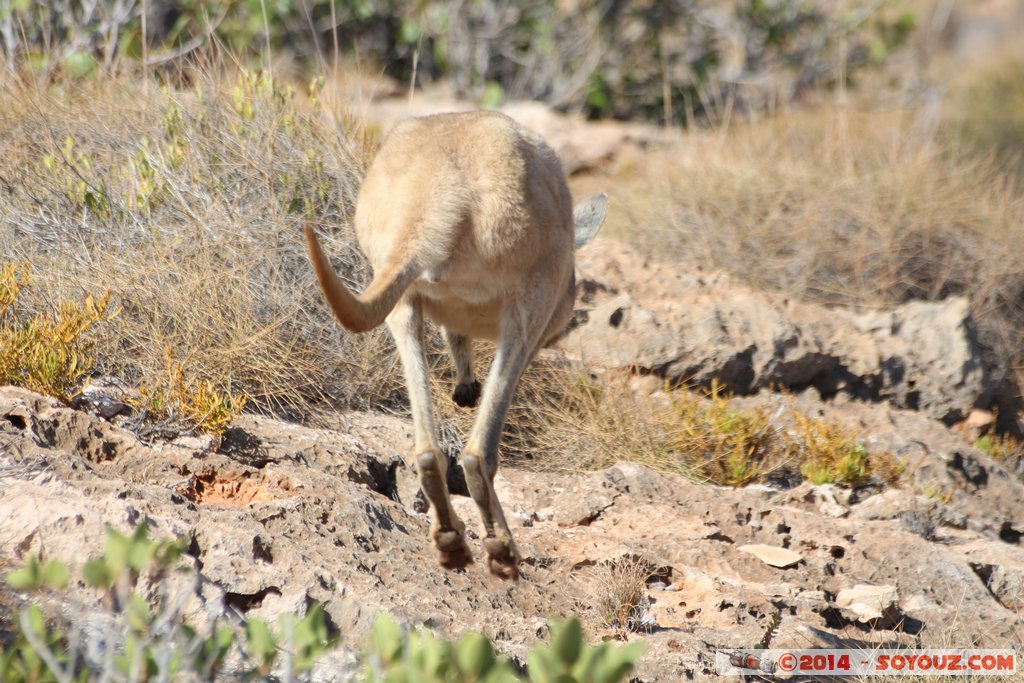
(467, 389)
(480, 457)
(446, 529)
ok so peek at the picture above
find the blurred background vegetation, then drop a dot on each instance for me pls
(660, 60)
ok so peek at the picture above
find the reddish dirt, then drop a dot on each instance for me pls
(238, 489)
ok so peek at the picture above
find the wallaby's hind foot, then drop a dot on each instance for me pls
(502, 558)
(446, 529)
(466, 395)
(453, 553)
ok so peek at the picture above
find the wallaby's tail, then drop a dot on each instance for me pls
(366, 311)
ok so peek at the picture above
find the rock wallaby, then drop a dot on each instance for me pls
(467, 221)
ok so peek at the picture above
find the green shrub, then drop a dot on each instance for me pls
(146, 637)
(420, 657)
(648, 58)
(569, 659)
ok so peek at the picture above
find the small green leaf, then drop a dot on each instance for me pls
(493, 95)
(474, 654)
(115, 551)
(21, 579)
(135, 649)
(97, 573)
(79, 63)
(139, 616)
(28, 577)
(168, 552)
(215, 648)
(542, 667)
(139, 554)
(618, 662)
(260, 642)
(386, 639)
(309, 637)
(588, 661)
(567, 640)
(140, 533)
(54, 575)
(409, 32)
(35, 619)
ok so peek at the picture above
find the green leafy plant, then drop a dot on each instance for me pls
(396, 656)
(34, 575)
(569, 659)
(146, 638)
(419, 656)
(36, 655)
(127, 556)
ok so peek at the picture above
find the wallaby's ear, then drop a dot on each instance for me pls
(588, 216)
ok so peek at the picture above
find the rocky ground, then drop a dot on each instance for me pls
(279, 514)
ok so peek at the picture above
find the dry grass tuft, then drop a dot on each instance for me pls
(617, 590)
(187, 205)
(622, 588)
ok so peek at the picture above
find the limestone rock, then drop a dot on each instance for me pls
(284, 514)
(772, 555)
(697, 328)
(866, 602)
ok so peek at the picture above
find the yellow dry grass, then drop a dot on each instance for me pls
(581, 422)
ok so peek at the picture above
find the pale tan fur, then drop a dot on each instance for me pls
(467, 221)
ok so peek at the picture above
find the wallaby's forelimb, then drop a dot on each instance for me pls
(467, 389)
